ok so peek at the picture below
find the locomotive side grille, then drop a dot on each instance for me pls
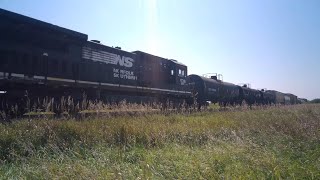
(101, 56)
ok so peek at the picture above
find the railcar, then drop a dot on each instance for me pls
(250, 96)
(214, 90)
(268, 98)
(302, 100)
(279, 97)
(293, 98)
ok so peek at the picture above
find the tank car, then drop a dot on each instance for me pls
(250, 96)
(279, 97)
(293, 98)
(302, 100)
(268, 97)
(213, 90)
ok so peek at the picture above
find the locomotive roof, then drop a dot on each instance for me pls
(21, 19)
(103, 46)
(172, 60)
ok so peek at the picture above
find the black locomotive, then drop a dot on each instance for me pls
(39, 60)
(42, 60)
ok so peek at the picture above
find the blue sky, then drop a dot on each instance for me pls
(273, 44)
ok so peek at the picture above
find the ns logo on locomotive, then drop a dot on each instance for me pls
(72, 66)
(106, 57)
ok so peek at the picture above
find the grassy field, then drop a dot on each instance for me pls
(271, 143)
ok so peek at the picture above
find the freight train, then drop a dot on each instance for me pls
(40, 60)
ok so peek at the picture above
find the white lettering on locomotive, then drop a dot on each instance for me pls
(212, 90)
(106, 57)
(124, 74)
(124, 61)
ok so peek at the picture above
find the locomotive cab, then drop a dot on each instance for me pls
(181, 74)
(158, 72)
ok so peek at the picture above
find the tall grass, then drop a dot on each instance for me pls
(274, 142)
